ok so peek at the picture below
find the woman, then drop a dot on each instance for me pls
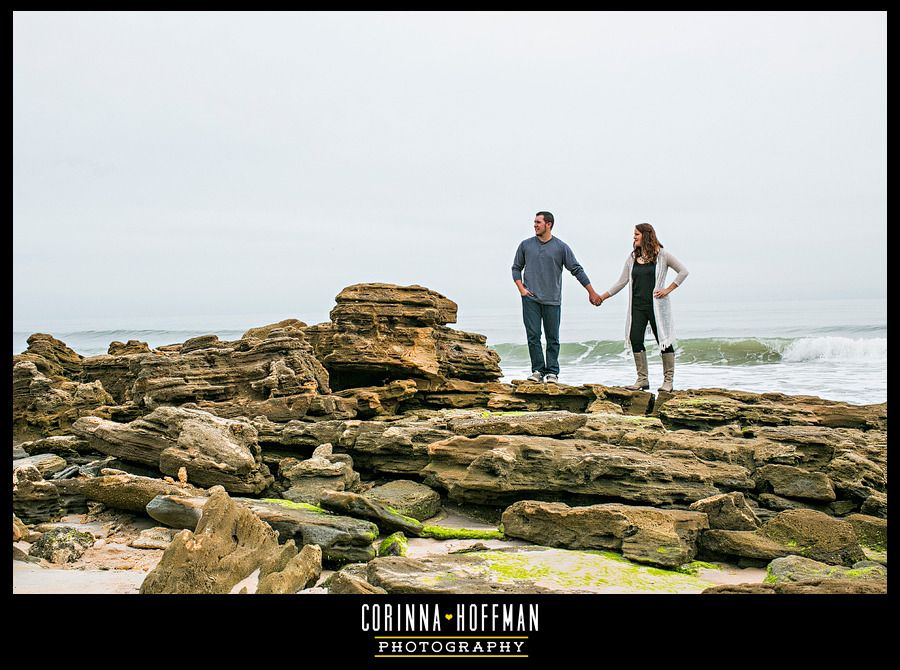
(645, 273)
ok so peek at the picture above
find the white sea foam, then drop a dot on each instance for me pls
(836, 349)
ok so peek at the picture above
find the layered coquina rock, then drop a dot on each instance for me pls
(382, 332)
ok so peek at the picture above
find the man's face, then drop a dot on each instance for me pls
(540, 226)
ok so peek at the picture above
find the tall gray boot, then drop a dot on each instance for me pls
(643, 381)
(668, 361)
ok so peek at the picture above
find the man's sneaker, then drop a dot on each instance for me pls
(534, 377)
(550, 379)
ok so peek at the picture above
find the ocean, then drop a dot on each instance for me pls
(834, 349)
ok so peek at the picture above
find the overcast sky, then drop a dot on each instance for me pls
(176, 164)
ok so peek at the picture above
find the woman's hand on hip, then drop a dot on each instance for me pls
(661, 293)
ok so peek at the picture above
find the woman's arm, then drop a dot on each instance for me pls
(682, 271)
(620, 283)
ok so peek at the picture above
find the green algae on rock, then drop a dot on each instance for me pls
(528, 570)
(394, 544)
(446, 533)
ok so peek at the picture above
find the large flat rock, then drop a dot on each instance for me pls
(494, 469)
(526, 570)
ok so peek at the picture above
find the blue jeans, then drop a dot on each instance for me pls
(533, 314)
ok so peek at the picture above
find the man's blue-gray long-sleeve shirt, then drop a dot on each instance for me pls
(543, 263)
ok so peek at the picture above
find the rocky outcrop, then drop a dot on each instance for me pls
(667, 538)
(229, 544)
(704, 408)
(495, 469)
(342, 539)
(523, 396)
(48, 405)
(213, 451)
(383, 332)
(272, 371)
(407, 497)
(806, 464)
(387, 447)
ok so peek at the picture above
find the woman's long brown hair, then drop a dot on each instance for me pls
(650, 245)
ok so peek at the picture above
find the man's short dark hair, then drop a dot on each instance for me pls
(548, 217)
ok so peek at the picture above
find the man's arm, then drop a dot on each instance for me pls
(573, 266)
(518, 264)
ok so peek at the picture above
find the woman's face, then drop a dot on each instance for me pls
(638, 236)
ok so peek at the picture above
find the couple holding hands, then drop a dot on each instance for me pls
(537, 272)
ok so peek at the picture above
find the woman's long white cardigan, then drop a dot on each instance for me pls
(662, 309)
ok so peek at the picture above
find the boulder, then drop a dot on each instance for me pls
(525, 570)
(800, 569)
(728, 511)
(45, 403)
(806, 533)
(213, 450)
(20, 530)
(61, 545)
(229, 544)
(34, 499)
(300, 572)
(407, 497)
(154, 538)
(355, 505)
(871, 530)
(344, 582)
(306, 480)
(791, 482)
(66, 446)
(380, 400)
(875, 505)
(46, 464)
(126, 492)
(394, 544)
(816, 535)
(667, 538)
(342, 539)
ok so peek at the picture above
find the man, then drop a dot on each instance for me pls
(543, 257)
